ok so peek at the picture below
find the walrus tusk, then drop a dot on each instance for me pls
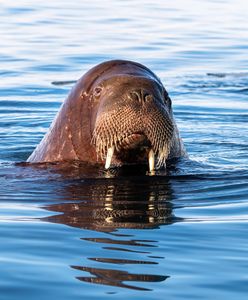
(109, 157)
(151, 159)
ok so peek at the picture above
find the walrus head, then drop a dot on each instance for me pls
(118, 113)
(133, 122)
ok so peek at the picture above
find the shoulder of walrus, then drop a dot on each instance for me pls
(177, 148)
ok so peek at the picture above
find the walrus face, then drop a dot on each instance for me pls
(133, 122)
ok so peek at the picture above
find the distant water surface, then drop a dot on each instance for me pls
(80, 233)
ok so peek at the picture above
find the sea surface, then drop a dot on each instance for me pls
(77, 233)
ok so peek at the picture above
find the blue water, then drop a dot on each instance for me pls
(76, 234)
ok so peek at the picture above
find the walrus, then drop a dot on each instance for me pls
(118, 113)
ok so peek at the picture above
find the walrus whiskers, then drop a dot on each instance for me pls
(110, 132)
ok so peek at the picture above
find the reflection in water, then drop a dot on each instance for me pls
(116, 277)
(108, 205)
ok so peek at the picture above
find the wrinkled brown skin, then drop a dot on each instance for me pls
(70, 135)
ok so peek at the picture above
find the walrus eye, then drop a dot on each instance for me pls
(97, 91)
(167, 99)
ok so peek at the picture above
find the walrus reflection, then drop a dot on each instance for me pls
(108, 205)
(116, 277)
(116, 204)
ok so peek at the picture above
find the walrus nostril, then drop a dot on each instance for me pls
(140, 96)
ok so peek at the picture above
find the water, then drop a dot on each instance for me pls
(74, 233)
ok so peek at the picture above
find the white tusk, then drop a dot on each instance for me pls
(109, 157)
(151, 159)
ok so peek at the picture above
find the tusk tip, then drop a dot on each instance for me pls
(109, 157)
(151, 160)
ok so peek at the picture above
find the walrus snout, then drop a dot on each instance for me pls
(133, 141)
(141, 96)
(137, 127)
